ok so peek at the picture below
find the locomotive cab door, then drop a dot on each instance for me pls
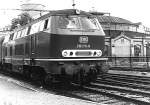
(33, 49)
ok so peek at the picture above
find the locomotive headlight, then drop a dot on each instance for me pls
(99, 53)
(78, 11)
(64, 53)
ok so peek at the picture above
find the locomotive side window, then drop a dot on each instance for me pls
(44, 24)
(35, 28)
(28, 30)
(47, 24)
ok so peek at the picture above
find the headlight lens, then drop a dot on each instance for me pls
(99, 53)
(64, 54)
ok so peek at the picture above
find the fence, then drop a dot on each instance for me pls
(130, 62)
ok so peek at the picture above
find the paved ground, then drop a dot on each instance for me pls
(12, 92)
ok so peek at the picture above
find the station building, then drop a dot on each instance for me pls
(123, 37)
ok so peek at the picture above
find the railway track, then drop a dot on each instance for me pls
(104, 91)
(115, 95)
(137, 82)
(121, 88)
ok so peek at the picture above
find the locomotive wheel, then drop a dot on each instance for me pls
(34, 76)
(37, 74)
(48, 80)
(26, 73)
(80, 77)
(7, 67)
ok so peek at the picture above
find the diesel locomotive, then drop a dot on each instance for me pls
(63, 45)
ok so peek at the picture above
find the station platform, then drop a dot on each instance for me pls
(14, 92)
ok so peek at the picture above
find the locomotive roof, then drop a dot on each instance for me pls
(64, 12)
(69, 12)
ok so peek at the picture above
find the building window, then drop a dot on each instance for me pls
(137, 50)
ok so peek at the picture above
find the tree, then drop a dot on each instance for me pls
(23, 19)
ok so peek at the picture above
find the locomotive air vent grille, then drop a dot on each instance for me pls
(83, 53)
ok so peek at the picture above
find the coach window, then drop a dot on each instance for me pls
(23, 32)
(10, 50)
(5, 49)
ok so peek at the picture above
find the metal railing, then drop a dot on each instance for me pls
(130, 62)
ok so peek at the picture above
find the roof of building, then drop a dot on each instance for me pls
(112, 19)
(130, 34)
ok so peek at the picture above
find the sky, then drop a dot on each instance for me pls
(132, 10)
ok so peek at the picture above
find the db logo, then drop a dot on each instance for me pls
(83, 39)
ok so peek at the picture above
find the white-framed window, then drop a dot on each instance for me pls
(23, 32)
(15, 35)
(19, 34)
(45, 24)
(35, 28)
(41, 25)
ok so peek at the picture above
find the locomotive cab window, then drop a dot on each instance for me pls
(89, 23)
(68, 22)
(78, 22)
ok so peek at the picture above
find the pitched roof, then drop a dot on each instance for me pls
(112, 19)
(130, 34)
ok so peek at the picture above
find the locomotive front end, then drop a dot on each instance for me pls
(78, 42)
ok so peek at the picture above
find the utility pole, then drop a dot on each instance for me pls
(73, 4)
